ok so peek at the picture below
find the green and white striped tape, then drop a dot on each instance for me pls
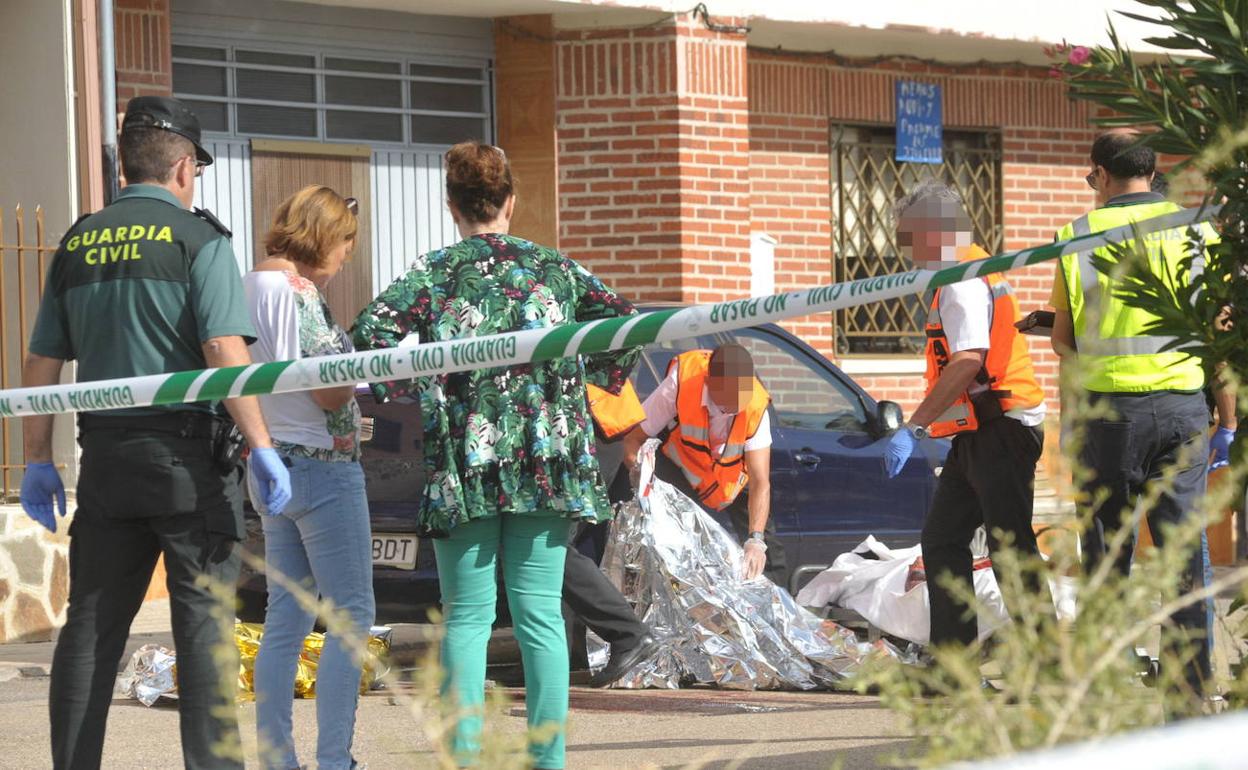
(540, 344)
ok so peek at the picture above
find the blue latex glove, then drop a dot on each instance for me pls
(899, 448)
(40, 484)
(1220, 445)
(272, 479)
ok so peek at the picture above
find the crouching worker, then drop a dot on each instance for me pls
(982, 391)
(587, 592)
(711, 413)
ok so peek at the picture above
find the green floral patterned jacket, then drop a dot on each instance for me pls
(504, 440)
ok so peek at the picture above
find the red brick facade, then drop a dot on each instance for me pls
(674, 143)
(142, 35)
(653, 155)
(794, 104)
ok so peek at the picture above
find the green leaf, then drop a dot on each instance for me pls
(1173, 42)
(1231, 26)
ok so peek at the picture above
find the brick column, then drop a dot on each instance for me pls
(524, 65)
(144, 49)
(653, 143)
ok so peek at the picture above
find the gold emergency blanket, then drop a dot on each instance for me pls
(247, 637)
(152, 671)
(681, 571)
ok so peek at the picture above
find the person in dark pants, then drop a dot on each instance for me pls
(982, 391)
(710, 411)
(144, 287)
(588, 594)
(1160, 420)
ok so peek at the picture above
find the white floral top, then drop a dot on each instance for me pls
(293, 321)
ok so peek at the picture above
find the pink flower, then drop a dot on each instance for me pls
(1079, 55)
(1054, 72)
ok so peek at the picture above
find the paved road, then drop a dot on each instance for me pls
(714, 730)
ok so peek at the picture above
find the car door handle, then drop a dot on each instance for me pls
(808, 459)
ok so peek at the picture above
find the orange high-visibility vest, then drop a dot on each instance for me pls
(1007, 370)
(716, 480)
(614, 415)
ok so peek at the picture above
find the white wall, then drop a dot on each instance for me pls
(37, 149)
(37, 156)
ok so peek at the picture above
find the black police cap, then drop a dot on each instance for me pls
(168, 114)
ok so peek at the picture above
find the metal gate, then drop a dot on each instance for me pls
(866, 181)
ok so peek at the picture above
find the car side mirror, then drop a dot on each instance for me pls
(890, 416)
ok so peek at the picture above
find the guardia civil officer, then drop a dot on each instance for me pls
(1160, 417)
(142, 287)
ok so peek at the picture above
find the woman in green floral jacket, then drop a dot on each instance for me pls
(508, 451)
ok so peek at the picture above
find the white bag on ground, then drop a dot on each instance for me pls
(875, 588)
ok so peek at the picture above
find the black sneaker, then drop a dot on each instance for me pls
(623, 661)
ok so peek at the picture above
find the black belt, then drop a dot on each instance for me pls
(183, 424)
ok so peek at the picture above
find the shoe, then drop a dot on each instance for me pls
(624, 661)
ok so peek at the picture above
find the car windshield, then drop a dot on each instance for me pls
(803, 394)
(653, 365)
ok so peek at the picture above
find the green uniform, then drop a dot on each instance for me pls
(136, 289)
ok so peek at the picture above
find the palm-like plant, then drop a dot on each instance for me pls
(1190, 104)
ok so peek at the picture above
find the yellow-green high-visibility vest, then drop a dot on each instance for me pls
(1110, 336)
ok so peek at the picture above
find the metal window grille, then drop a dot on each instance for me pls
(238, 92)
(866, 181)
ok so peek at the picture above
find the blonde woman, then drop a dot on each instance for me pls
(321, 540)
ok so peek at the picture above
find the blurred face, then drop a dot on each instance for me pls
(931, 232)
(731, 390)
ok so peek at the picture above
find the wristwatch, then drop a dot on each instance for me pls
(757, 537)
(919, 431)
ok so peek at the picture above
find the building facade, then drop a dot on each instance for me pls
(684, 157)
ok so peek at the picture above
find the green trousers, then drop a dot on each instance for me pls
(532, 549)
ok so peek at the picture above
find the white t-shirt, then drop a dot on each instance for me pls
(275, 299)
(966, 316)
(660, 410)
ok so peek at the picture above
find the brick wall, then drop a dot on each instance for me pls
(794, 101)
(652, 128)
(143, 47)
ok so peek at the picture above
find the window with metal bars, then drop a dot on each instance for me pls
(322, 97)
(866, 181)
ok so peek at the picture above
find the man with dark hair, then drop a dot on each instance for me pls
(1159, 422)
(711, 413)
(149, 154)
(1122, 157)
(145, 287)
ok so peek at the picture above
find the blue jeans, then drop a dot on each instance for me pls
(322, 542)
(1149, 435)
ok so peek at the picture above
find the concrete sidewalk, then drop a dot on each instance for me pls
(34, 659)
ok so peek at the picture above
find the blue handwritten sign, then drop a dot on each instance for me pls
(918, 122)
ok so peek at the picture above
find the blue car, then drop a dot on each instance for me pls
(829, 490)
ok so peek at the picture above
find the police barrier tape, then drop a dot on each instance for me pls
(540, 344)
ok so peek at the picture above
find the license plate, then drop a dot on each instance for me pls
(395, 551)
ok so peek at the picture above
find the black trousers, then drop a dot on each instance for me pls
(988, 479)
(1150, 435)
(776, 570)
(588, 595)
(142, 495)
